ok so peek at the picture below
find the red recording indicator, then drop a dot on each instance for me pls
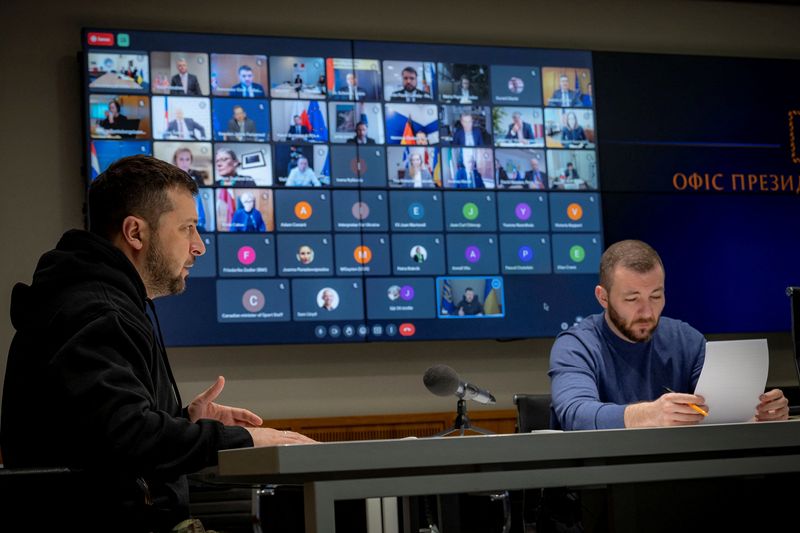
(100, 39)
(407, 329)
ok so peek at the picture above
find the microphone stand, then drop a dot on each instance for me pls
(462, 423)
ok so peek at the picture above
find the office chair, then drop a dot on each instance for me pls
(533, 412)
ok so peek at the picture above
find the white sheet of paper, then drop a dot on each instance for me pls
(734, 375)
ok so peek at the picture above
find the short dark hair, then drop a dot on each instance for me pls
(631, 254)
(135, 185)
(411, 70)
(245, 67)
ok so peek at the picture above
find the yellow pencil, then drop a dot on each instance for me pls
(693, 406)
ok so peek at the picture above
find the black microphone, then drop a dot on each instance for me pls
(442, 380)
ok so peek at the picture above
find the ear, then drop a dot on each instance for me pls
(602, 296)
(134, 232)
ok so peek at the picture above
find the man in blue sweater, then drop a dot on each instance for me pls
(610, 370)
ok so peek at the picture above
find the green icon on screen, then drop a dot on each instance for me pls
(123, 39)
(470, 211)
(577, 253)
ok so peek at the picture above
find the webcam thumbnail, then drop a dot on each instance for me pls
(466, 125)
(193, 158)
(414, 167)
(467, 168)
(241, 120)
(567, 86)
(572, 170)
(353, 79)
(239, 75)
(470, 297)
(116, 72)
(119, 116)
(103, 153)
(569, 128)
(518, 126)
(245, 210)
(299, 121)
(356, 122)
(242, 165)
(463, 84)
(412, 124)
(180, 73)
(409, 81)
(185, 118)
(520, 169)
(302, 165)
(297, 77)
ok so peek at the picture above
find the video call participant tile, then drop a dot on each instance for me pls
(328, 299)
(305, 210)
(576, 254)
(305, 255)
(567, 86)
(356, 123)
(463, 84)
(400, 298)
(471, 297)
(196, 159)
(181, 118)
(245, 210)
(413, 167)
(472, 254)
(359, 211)
(408, 81)
(516, 85)
(418, 255)
(465, 125)
(119, 116)
(297, 77)
(241, 120)
(246, 255)
(575, 212)
(527, 253)
(416, 211)
(291, 171)
(239, 75)
(103, 153)
(572, 170)
(523, 211)
(412, 124)
(353, 79)
(468, 168)
(358, 166)
(470, 211)
(180, 73)
(366, 255)
(204, 265)
(256, 300)
(299, 121)
(128, 72)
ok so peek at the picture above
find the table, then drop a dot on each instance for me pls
(407, 467)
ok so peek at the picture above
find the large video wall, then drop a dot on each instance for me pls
(356, 191)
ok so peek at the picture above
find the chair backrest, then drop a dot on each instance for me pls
(533, 412)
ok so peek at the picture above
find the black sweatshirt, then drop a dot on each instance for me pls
(88, 386)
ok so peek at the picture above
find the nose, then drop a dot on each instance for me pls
(646, 310)
(198, 247)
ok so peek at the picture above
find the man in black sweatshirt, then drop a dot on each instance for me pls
(88, 385)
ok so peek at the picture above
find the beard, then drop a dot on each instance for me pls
(632, 330)
(161, 280)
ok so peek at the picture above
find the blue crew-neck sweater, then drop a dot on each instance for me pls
(595, 374)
